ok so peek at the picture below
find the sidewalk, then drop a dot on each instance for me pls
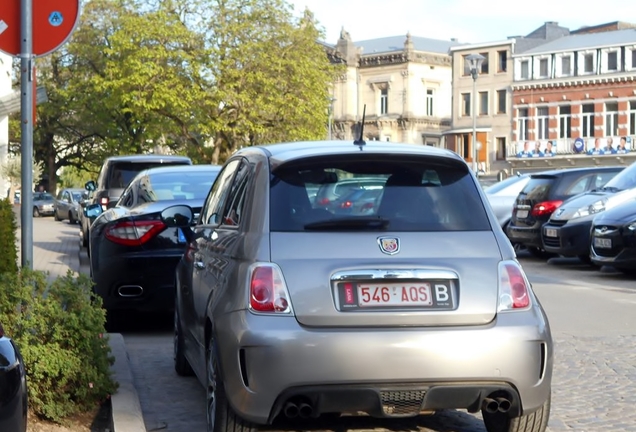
(56, 249)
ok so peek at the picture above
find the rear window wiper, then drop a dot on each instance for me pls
(369, 222)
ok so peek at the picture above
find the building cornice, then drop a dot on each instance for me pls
(402, 57)
(573, 82)
(473, 47)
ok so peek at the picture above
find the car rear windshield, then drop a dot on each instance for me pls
(538, 188)
(412, 194)
(193, 185)
(122, 173)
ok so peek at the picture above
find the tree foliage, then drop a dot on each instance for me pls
(195, 77)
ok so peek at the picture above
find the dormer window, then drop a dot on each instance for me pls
(525, 69)
(588, 63)
(566, 65)
(543, 68)
(612, 61)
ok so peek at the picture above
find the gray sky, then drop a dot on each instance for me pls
(470, 21)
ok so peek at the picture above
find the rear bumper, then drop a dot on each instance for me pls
(117, 278)
(571, 240)
(528, 236)
(268, 361)
(13, 391)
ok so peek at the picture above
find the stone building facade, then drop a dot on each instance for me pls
(403, 84)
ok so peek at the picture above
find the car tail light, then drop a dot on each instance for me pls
(133, 233)
(514, 288)
(323, 201)
(346, 204)
(545, 208)
(268, 291)
(367, 206)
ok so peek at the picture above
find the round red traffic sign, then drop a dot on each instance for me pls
(53, 23)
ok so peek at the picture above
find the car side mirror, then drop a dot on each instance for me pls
(92, 210)
(90, 185)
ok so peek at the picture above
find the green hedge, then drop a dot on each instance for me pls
(59, 328)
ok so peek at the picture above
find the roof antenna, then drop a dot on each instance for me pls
(360, 141)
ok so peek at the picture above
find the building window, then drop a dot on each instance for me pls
(566, 65)
(483, 103)
(634, 58)
(542, 122)
(543, 68)
(429, 102)
(501, 148)
(588, 63)
(502, 61)
(484, 64)
(384, 101)
(611, 118)
(612, 61)
(525, 69)
(632, 117)
(466, 104)
(587, 120)
(565, 121)
(465, 145)
(522, 124)
(466, 65)
(501, 101)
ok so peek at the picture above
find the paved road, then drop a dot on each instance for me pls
(591, 313)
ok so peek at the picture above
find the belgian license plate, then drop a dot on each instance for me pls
(430, 294)
(602, 243)
(522, 214)
(550, 232)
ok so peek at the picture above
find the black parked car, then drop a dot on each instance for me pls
(567, 232)
(133, 254)
(114, 176)
(614, 238)
(13, 387)
(543, 194)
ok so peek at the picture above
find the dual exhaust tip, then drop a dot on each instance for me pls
(498, 404)
(300, 409)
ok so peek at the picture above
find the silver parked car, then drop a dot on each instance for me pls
(286, 310)
(67, 204)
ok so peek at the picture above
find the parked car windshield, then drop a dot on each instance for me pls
(626, 179)
(418, 194)
(152, 187)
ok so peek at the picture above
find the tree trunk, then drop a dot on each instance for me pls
(52, 170)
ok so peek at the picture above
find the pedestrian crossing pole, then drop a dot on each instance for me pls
(27, 105)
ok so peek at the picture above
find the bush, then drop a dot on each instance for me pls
(8, 239)
(60, 331)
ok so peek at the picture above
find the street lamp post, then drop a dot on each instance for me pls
(331, 101)
(474, 62)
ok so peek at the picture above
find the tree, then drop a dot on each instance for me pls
(12, 170)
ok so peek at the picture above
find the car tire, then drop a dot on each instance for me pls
(220, 415)
(55, 216)
(585, 259)
(71, 219)
(36, 212)
(181, 364)
(114, 320)
(534, 422)
(626, 270)
(84, 238)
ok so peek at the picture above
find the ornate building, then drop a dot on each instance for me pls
(404, 82)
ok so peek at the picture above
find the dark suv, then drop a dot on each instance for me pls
(543, 194)
(114, 176)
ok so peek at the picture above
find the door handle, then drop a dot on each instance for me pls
(199, 265)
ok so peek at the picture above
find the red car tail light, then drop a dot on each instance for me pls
(346, 204)
(268, 291)
(133, 233)
(514, 288)
(323, 201)
(545, 208)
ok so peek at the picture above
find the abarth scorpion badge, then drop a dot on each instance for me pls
(389, 245)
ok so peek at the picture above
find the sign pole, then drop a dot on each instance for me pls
(26, 82)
